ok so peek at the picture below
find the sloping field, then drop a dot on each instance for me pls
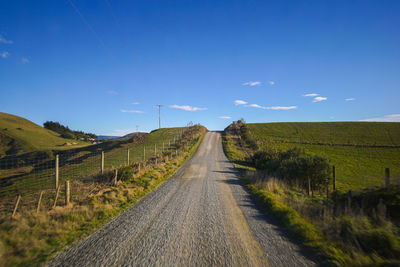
(19, 135)
(36, 172)
(360, 151)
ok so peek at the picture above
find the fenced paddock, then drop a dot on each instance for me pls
(38, 181)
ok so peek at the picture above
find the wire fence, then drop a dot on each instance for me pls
(33, 181)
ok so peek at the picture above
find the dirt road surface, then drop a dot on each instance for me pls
(202, 216)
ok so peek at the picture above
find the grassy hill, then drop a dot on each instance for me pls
(360, 151)
(19, 135)
(33, 171)
(330, 133)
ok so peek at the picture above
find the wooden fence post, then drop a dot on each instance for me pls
(16, 206)
(56, 169)
(155, 150)
(39, 202)
(127, 156)
(333, 178)
(55, 199)
(67, 193)
(116, 177)
(144, 152)
(387, 177)
(102, 162)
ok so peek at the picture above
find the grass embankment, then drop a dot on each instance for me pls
(31, 239)
(353, 236)
(19, 135)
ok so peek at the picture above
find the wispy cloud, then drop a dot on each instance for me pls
(24, 60)
(131, 111)
(271, 82)
(349, 99)
(135, 103)
(319, 99)
(251, 83)
(4, 54)
(387, 118)
(187, 108)
(311, 95)
(240, 102)
(112, 92)
(224, 117)
(272, 108)
(4, 40)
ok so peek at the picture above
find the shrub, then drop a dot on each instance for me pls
(125, 173)
(294, 165)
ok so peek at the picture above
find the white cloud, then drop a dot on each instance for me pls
(311, 95)
(187, 108)
(387, 118)
(240, 102)
(131, 111)
(135, 103)
(4, 54)
(349, 99)
(4, 40)
(254, 106)
(319, 99)
(24, 60)
(282, 108)
(224, 117)
(112, 92)
(272, 108)
(271, 82)
(251, 83)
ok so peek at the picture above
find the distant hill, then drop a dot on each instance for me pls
(107, 137)
(19, 135)
(131, 135)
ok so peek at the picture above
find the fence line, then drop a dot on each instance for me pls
(39, 181)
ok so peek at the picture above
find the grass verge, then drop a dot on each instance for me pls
(338, 238)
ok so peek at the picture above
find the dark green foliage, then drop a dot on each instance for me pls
(67, 133)
(125, 173)
(294, 166)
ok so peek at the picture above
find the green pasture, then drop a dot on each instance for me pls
(360, 151)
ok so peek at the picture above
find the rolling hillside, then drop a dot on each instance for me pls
(19, 135)
(360, 151)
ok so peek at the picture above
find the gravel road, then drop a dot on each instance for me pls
(202, 216)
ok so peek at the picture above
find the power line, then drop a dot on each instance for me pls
(90, 27)
(119, 27)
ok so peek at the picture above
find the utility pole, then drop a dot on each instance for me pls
(159, 116)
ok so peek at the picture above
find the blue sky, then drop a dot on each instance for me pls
(101, 66)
